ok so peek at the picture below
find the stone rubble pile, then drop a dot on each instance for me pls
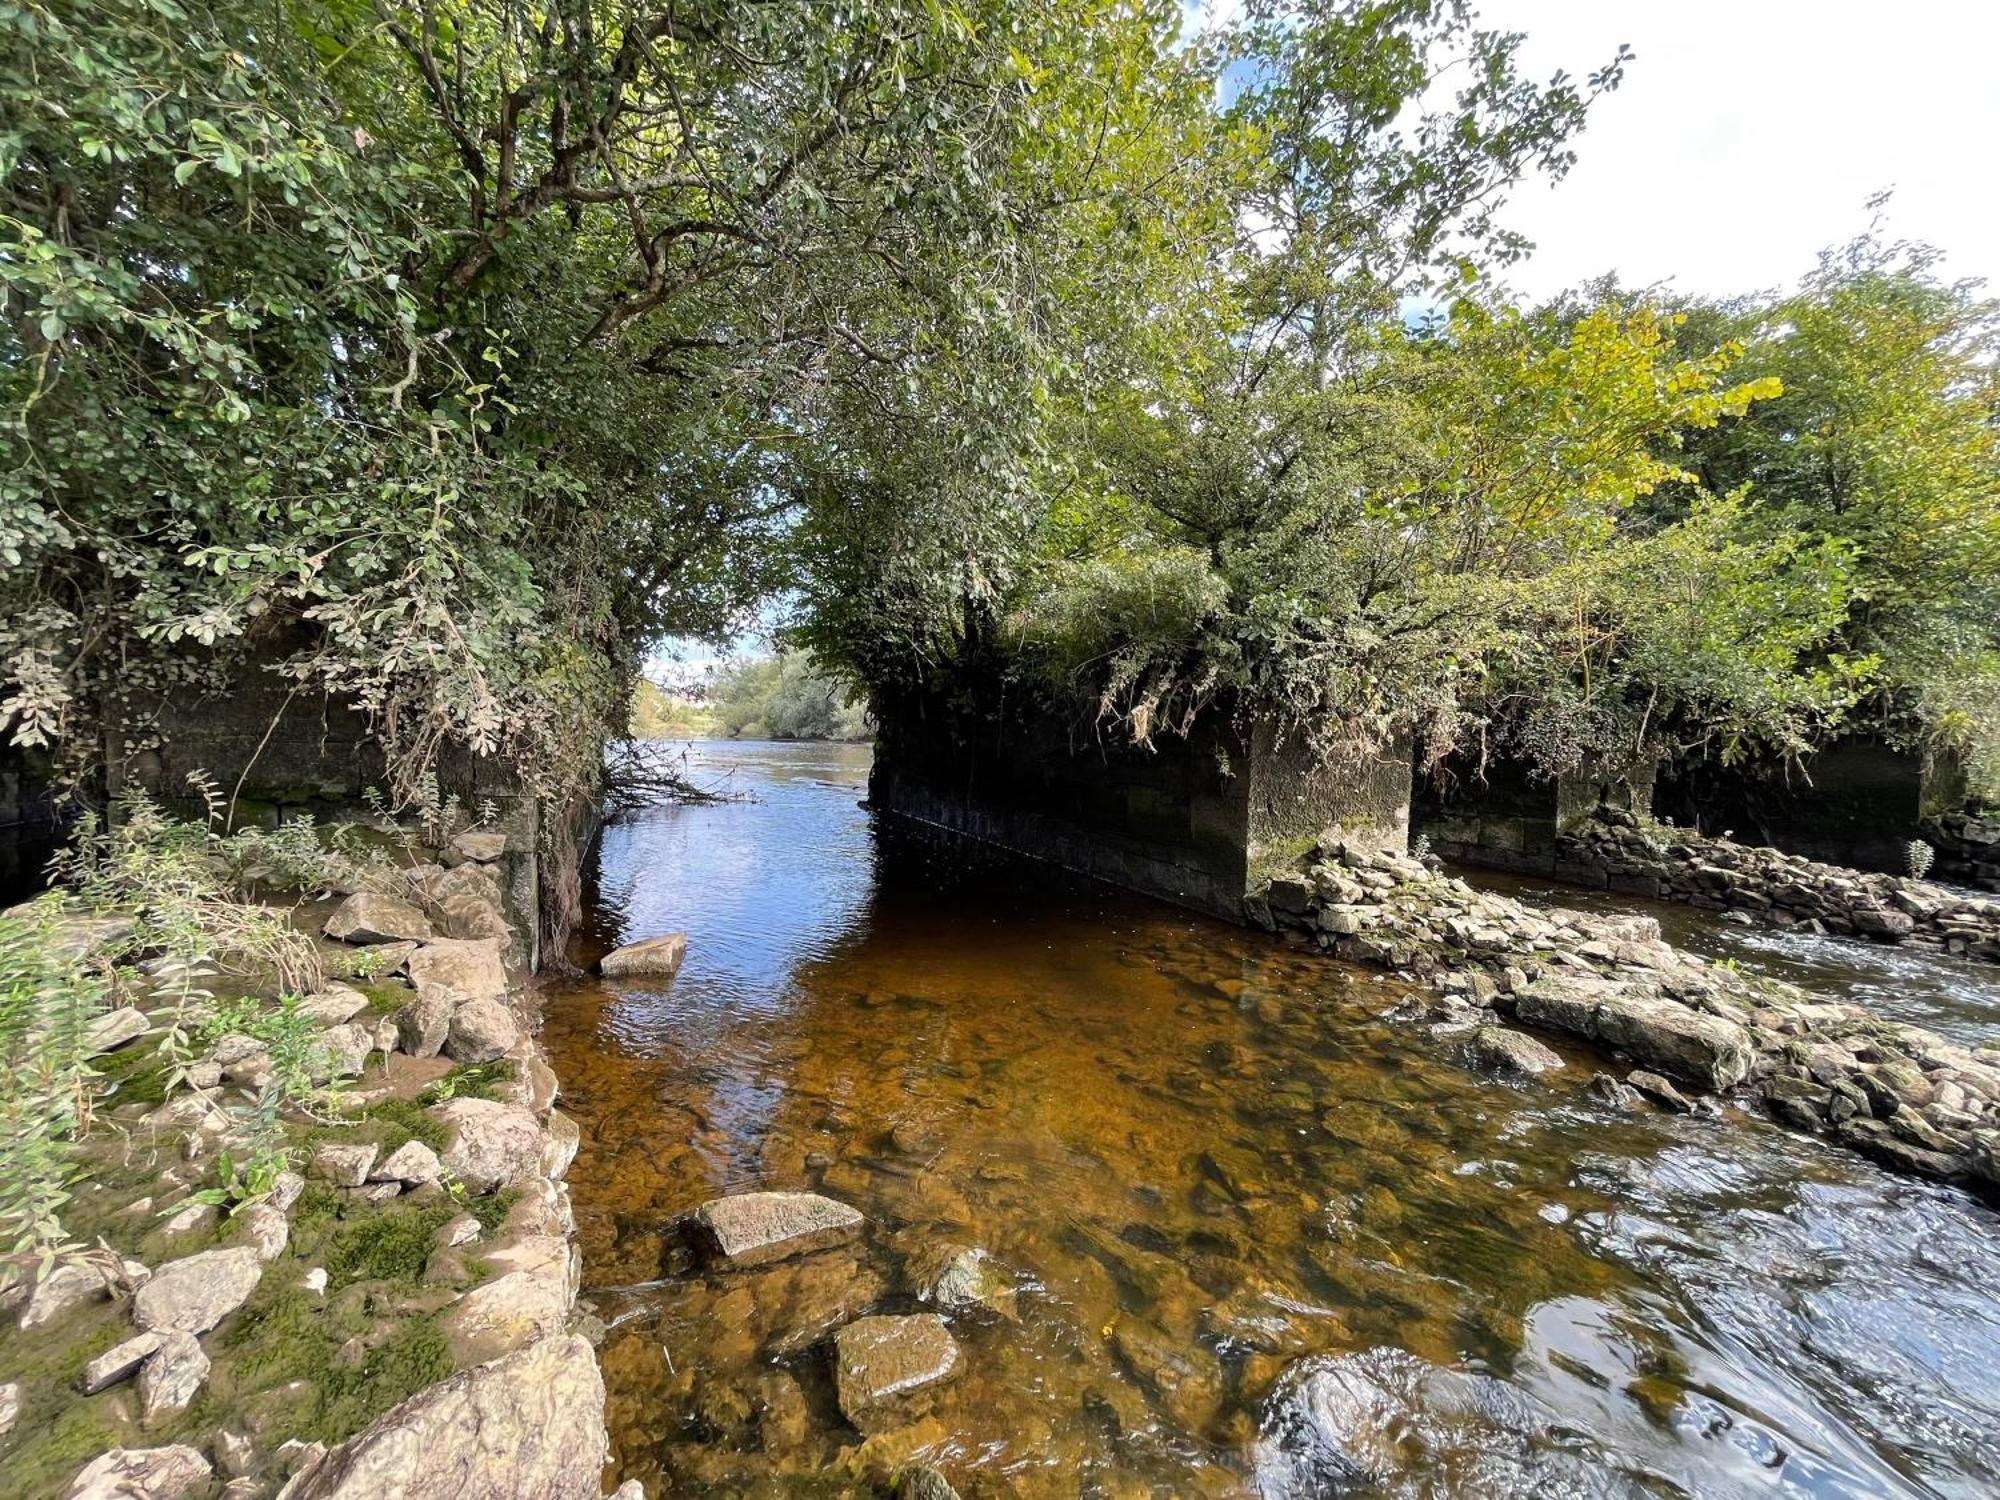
(1905, 1096)
(1616, 851)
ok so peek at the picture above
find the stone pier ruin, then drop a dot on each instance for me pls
(1200, 820)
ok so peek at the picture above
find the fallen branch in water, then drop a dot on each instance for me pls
(641, 777)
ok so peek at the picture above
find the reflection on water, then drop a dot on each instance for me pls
(1265, 1241)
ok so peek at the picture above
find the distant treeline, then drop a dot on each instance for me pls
(785, 697)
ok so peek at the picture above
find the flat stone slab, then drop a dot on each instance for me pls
(481, 845)
(1509, 1051)
(155, 1473)
(657, 958)
(114, 1029)
(371, 917)
(120, 1362)
(754, 1229)
(1684, 1043)
(195, 1294)
(883, 1361)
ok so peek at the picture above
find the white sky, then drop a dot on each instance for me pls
(1748, 135)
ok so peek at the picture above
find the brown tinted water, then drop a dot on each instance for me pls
(1225, 1189)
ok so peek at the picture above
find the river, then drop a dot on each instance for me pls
(1265, 1241)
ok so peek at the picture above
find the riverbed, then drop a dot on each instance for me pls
(1259, 1239)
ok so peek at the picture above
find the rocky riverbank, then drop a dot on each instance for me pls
(1903, 1095)
(391, 1313)
(1615, 851)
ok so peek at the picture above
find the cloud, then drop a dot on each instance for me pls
(1749, 134)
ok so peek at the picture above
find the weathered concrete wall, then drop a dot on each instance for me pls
(1858, 802)
(1503, 817)
(275, 752)
(1168, 821)
(1193, 819)
(1293, 799)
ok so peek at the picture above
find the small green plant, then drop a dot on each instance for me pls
(1919, 856)
(1420, 846)
(47, 1003)
(470, 1081)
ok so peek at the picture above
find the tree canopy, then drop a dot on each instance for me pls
(451, 353)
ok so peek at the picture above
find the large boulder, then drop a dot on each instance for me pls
(654, 958)
(469, 968)
(1665, 1035)
(754, 1229)
(151, 1473)
(481, 1030)
(371, 917)
(529, 1426)
(194, 1294)
(527, 1300)
(883, 1363)
(492, 1145)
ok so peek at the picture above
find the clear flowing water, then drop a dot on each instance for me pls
(1264, 1242)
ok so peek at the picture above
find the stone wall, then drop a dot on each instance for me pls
(1615, 851)
(1193, 818)
(1968, 847)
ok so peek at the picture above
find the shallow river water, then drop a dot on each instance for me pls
(1264, 1242)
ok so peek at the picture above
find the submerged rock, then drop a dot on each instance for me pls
(1509, 1051)
(658, 957)
(1363, 1421)
(526, 1427)
(881, 1363)
(754, 1229)
(962, 1279)
(922, 1482)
